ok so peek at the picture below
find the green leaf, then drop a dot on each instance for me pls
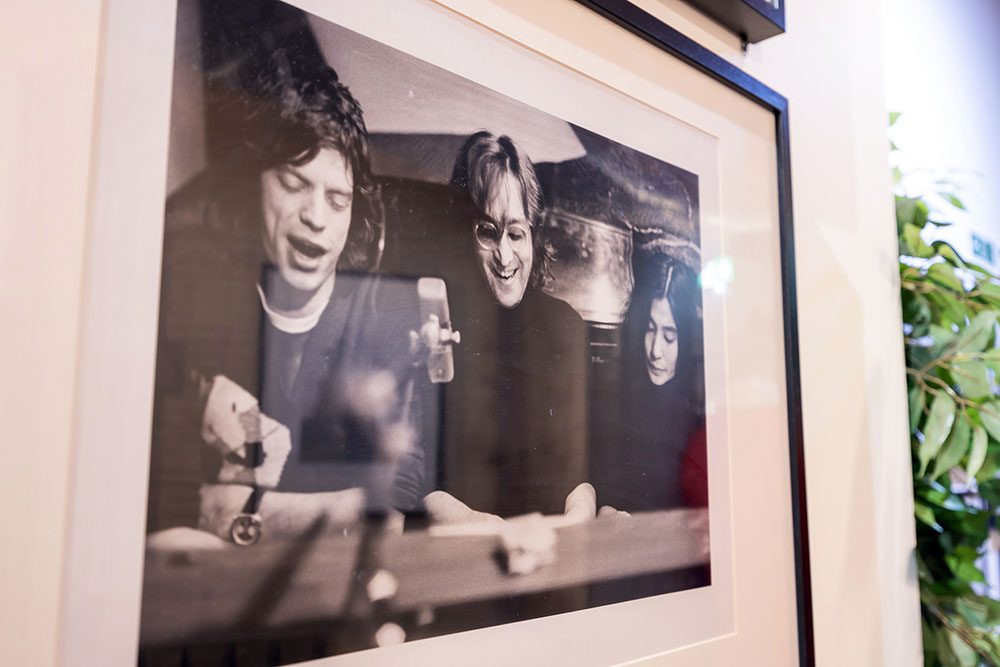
(940, 223)
(918, 397)
(978, 453)
(992, 609)
(990, 289)
(945, 652)
(906, 208)
(897, 174)
(974, 611)
(921, 213)
(948, 501)
(916, 311)
(915, 245)
(964, 653)
(893, 117)
(911, 235)
(944, 274)
(977, 335)
(948, 251)
(962, 561)
(979, 268)
(973, 378)
(938, 427)
(989, 488)
(958, 445)
(943, 337)
(926, 515)
(952, 199)
(989, 469)
(989, 414)
(948, 309)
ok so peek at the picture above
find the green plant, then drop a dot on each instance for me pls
(950, 311)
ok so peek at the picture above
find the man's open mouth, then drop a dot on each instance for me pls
(306, 247)
(503, 275)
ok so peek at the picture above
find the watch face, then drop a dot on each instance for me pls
(246, 529)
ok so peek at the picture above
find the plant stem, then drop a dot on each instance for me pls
(962, 633)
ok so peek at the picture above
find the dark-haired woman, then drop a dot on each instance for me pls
(643, 429)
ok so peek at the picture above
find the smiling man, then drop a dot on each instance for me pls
(499, 182)
(515, 415)
(282, 376)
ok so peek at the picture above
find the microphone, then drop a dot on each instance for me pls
(436, 332)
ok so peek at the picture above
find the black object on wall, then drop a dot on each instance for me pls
(752, 20)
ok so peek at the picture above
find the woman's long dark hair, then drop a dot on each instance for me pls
(655, 278)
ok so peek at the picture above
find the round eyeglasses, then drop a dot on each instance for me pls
(489, 234)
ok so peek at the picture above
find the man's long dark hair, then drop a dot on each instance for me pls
(285, 114)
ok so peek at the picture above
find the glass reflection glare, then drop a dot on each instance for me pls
(717, 274)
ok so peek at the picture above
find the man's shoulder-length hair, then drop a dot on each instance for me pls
(484, 160)
(285, 115)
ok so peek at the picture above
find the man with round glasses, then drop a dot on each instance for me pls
(515, 415)
(498, 180)
(506, 255)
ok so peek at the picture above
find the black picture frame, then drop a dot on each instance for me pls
(670, 40)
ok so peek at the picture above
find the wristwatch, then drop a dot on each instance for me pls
(247, 527)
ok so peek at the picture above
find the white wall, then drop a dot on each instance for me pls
(941, 73)
(48, 75)
(829, 66)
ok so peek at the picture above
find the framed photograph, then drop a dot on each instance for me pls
(457, 332)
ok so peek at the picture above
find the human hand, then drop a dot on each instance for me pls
(182, 539)
(253, 446)
(225, 419)
(444, 509)
(581, 504)
(283, 515)
(275, 443)
(609, 511)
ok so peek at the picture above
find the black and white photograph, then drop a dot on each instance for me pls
(429, 359)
